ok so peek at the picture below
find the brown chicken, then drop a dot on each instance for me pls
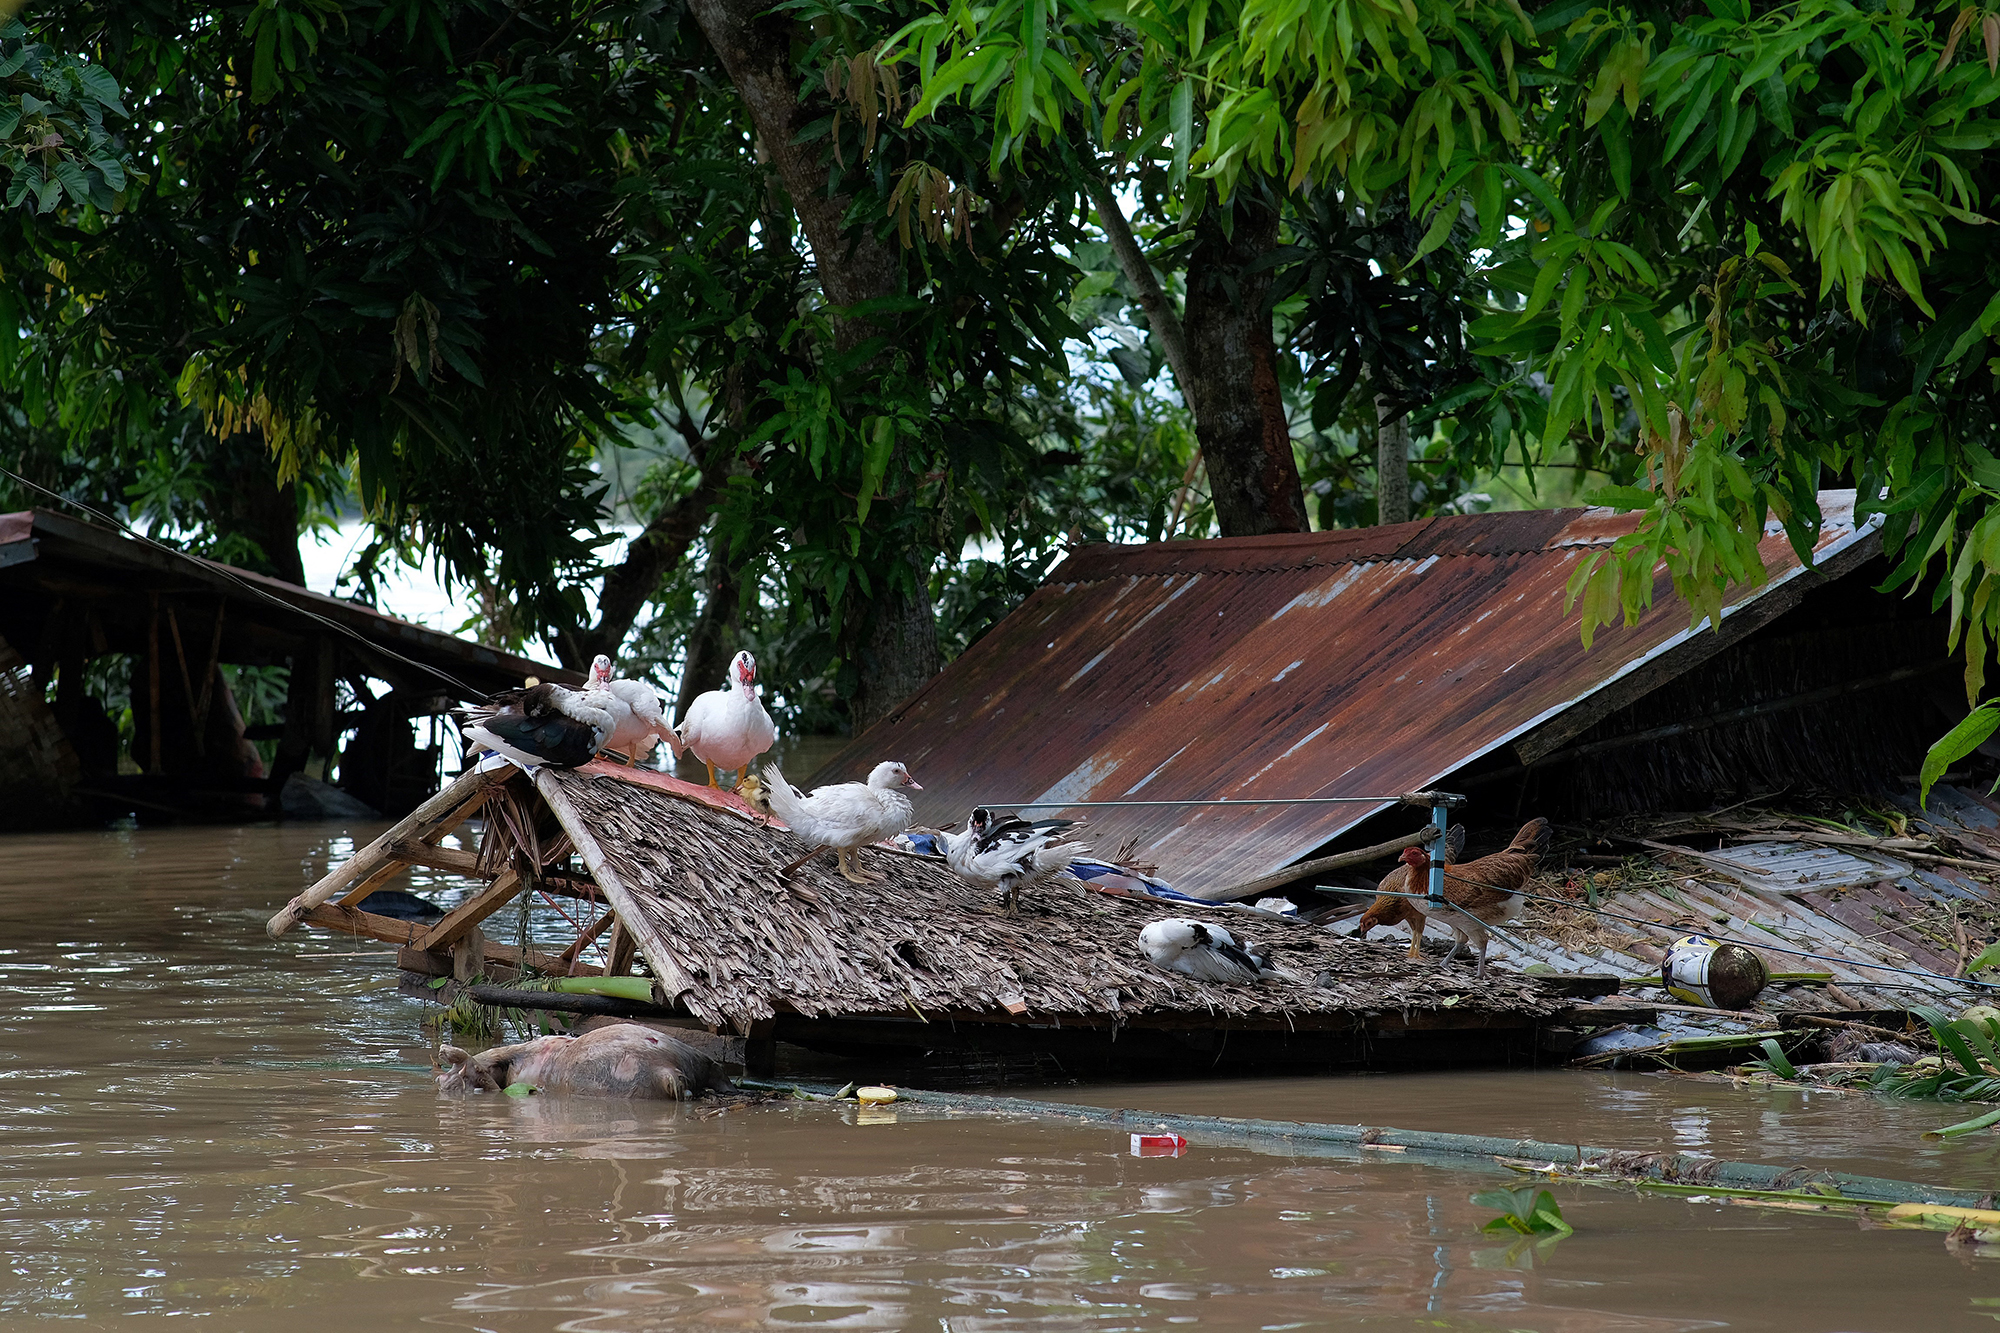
(1482, 892)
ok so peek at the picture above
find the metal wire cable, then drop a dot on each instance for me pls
(216, 567)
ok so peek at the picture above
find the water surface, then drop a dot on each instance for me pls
(197, 1122)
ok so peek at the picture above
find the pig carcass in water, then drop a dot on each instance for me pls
(621, 1060)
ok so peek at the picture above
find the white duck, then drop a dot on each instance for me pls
(845, 816)
(1009, 853)
(727, 728)
(1206, 952)
(543, 724)
(638, 721)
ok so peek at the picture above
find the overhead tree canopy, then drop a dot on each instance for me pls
(837, 262)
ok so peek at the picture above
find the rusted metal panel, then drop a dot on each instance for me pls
(1356, 663)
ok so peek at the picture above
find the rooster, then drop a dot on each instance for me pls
(1482, 892)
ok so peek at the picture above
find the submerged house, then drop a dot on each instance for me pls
(1326, 674)
(73, 594)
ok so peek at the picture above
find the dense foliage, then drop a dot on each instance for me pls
(436, 259)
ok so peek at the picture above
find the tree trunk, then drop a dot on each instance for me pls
(712, 642)
(1392, 462)
(1239, 414)
(1161, 316)
(656, 552)
(754, 43)
(899, 653)
(254, 505)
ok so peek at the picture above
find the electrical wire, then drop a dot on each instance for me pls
(216, 567)
(1264, 800)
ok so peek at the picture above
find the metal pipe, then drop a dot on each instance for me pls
(1440, 816)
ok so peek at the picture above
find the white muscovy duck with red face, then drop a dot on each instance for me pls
(845, 816)
(638, 720)
(542, 724)
(1008, 853)
(727, 728)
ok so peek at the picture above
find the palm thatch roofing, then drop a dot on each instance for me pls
(693, 875)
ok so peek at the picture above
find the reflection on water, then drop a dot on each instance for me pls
(194, 1120)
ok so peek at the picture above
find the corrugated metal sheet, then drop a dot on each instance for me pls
(1353, 663)
(1864, 930)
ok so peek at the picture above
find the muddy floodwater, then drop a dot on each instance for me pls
(197, 1123)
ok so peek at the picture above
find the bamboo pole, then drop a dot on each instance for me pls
(1376, 1142)
(1277, 878)
(439, 814)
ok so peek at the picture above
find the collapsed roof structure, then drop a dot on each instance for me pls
(72, 592)
(1373, 662)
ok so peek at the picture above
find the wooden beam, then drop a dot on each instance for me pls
(208, 673)
(584, 940)
(1360, 856)
(153, 680)
(669, 979)
(383, 875)
(448, 859)
(618, 961)
(354, 921)
(433, 819)
(473, 910)
(506, 955)
(187, 679)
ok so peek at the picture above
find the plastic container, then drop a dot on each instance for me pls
(874, 1096)
(1158, 1145)
(1712, 973)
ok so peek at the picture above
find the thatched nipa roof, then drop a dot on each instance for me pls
(693, 874)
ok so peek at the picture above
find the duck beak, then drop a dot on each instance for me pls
(912, 782)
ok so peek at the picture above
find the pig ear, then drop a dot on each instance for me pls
(454, 1056)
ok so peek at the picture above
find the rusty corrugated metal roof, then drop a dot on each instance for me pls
(1353, 663)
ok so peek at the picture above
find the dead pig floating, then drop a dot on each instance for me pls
(619, 1060)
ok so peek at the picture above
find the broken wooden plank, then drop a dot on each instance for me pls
(448, 859)
(435, 817)
(473, 910)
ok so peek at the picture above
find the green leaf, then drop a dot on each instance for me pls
(1180, 123)
(520, 1089)
(881, 443)
(1987, 957)
(1955, 744)
(1775, 1061)
(1965, 1126)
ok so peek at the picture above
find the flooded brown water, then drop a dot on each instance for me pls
(197, 1122)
